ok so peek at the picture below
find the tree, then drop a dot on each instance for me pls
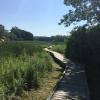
(84, 47)
(77, 46)
(1, 31)
(86, 10)
(59, 38)
(11, 36)
(21, 34)
(42, 38)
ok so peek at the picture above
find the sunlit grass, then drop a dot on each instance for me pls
(22, 66)
(48, 81)
(59, 48)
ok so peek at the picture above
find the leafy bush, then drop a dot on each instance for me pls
(84, 47)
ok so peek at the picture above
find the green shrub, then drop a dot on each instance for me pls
(84, 47)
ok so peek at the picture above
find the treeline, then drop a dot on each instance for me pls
(83, 47)
(15, 34)
(57, 38)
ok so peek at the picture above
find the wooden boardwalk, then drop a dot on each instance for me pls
(73, 83)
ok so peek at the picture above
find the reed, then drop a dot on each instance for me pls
(21, 70)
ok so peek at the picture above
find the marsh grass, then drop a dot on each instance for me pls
(59, 48)
(22, 65)
(48, 81)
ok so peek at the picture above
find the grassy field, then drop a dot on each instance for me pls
(59, 47)
(47, 83)
(25, 66)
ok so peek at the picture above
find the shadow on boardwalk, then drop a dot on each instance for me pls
(73, 83)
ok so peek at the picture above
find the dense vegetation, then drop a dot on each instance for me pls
(22, 65)
(84, 47)
(52, 39)
(15, 34)
(19, 34)
(82, 10)
(59, 48)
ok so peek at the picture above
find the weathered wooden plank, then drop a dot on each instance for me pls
(73, 84)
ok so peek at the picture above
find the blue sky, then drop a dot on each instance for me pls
(41, 17)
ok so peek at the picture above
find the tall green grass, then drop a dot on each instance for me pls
(17, 48)
(59, 48)
(21, 69)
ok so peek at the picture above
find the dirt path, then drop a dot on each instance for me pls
(73, 83)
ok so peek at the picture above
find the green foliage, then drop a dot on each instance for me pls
(77, 46)
(16, 48)
(42, 38)
(22, 68)
(87, 10)
(84, 47)
(57, 38)
(59, 48)
(21, 34)
(3, 32)
(15, 34)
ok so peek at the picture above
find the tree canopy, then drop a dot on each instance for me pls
(15, 34)
(21, 34)
(2, 31)
(83, 47)
(57, 38)
(82, 10)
